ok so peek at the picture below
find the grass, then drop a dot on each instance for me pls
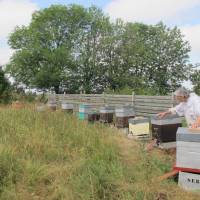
(54, 156)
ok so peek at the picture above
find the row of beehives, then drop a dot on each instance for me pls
(164, 130)
(124, 117)
(105, 114)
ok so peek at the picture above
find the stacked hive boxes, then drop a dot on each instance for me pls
(188, 158)
(164, 130)
(123, 114)
(106, 114)
(93, 115)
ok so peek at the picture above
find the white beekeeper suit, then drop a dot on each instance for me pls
(190, 109)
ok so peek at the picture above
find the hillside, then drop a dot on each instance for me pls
(54, 156)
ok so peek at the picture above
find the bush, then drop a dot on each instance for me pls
(129, 91)
(5, 88)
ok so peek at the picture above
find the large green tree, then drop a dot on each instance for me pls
(156, 57)
(80, 49)
(91, 50)
(44, 53)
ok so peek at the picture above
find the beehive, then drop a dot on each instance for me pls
(84, 109)
(67, 107)
(52, 104)
(106, 114)
(93, 116)
(189, 181)
(164, 130)
(40, 108)
(123, 114)
(139, 126)
(188, 149)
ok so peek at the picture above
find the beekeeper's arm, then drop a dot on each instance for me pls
(179, 109)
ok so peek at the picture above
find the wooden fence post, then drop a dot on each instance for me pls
(104, 98)
(133, 98)
(79, 97)
(172, 99)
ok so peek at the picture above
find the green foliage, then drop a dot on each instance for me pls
(129, 91)
(94, 180)
(9, 169)
(19, 94)
(44, 49)
(91, 50)
(79, 49)
(5, 89)
(126, 90)
(195, 79)
(156, 57)
(30, 97)
(42, 98)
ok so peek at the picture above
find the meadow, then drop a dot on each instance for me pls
(55, 156)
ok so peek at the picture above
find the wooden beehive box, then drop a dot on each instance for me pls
(189, 181)
(139, 126)
(67, 107)
(123, 114)
(188, 149)
(84, 109)
(106, 114)
(93, 115)
(165, 129)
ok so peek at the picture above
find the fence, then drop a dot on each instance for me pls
(143, 105)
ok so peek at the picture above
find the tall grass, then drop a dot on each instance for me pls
(54, 156)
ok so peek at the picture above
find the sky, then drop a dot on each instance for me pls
(185, 14)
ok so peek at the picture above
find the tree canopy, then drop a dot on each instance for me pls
(80, 49)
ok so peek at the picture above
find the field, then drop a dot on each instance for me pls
(54, 156)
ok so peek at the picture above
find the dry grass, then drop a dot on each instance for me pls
(54, 156)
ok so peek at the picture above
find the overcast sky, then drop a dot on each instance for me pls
(182, 13)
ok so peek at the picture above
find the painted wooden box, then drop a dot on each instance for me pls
(123, 114)
(139, 126)
(84, 109)
(164, 130)
(52, 104)
(106, 114)
(67, 107)
(93, 116)
(189, 181)
(188, 149)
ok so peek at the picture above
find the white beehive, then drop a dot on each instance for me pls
(189, 181)
(188, 149)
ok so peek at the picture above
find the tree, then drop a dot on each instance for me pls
(90, 65)
(195, 78)
(148, 59)
(156, 55)
(44, 53)
(4, 87)
(75, 48)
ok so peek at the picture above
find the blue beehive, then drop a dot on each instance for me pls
(84, 109)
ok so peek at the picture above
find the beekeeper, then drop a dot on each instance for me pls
(189, 107)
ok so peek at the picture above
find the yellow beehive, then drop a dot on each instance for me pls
(139, 126)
